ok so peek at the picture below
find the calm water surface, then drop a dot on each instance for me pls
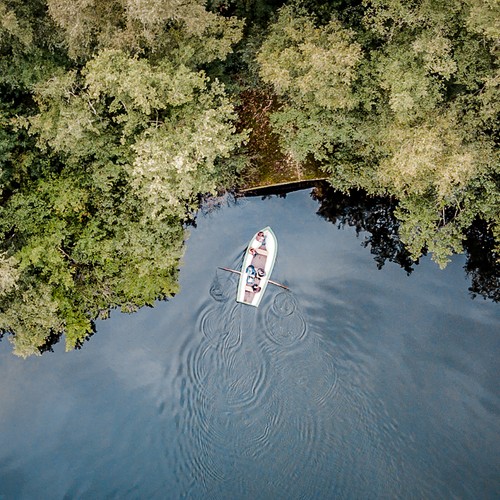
(358, 384)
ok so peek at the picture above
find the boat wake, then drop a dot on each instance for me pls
(254, 377)
(284, 324)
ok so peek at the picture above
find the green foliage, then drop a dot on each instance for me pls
(310, 65)
(28, 38)
(76, 252)
(312, 69)
(167, 125)
(103, 162)
(183, 31)
(34, 316)
(112, 126)
(406, 104)
(15, 27)
(9, 274)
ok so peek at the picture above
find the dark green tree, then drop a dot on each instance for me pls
(106, 153)
(406, 104)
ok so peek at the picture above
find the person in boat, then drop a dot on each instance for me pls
(257, 251)
(259, 241)
(250, 270)
(251, 274)
(256, 288)
(260, 272)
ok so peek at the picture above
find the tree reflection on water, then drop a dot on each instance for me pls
(483, 263)
(370, 214)
(375, 215)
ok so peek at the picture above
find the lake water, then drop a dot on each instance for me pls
(360, 383)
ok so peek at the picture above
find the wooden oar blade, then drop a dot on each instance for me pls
(278, 284)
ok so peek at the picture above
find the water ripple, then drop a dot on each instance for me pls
(220, 324)
(233, 335)
(225, 389)
(284, 304)
(262, 378)
(221, 290)
(284, 323)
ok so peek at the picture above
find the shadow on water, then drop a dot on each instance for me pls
(483, 263)
(375, 216)
(368, 214)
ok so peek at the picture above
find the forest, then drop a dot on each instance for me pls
(118, 118)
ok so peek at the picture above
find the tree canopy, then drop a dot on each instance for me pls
(400, 99)
(117, 116)
(105, 152)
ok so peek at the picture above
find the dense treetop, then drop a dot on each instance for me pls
(400, 98)
(116, 116)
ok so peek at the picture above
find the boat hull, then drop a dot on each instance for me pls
(259, 256)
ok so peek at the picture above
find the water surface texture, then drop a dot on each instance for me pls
(360, 383)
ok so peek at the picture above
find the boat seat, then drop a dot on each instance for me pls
(259, 261)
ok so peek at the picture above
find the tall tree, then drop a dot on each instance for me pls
(112, 152)
(182, 30)
(312, 69)
(407, 104)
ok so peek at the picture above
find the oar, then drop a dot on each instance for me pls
(239, 272)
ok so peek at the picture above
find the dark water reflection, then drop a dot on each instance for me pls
(358, 384)
(371, 216)
(374, 218)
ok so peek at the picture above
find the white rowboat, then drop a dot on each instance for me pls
(258, 263)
